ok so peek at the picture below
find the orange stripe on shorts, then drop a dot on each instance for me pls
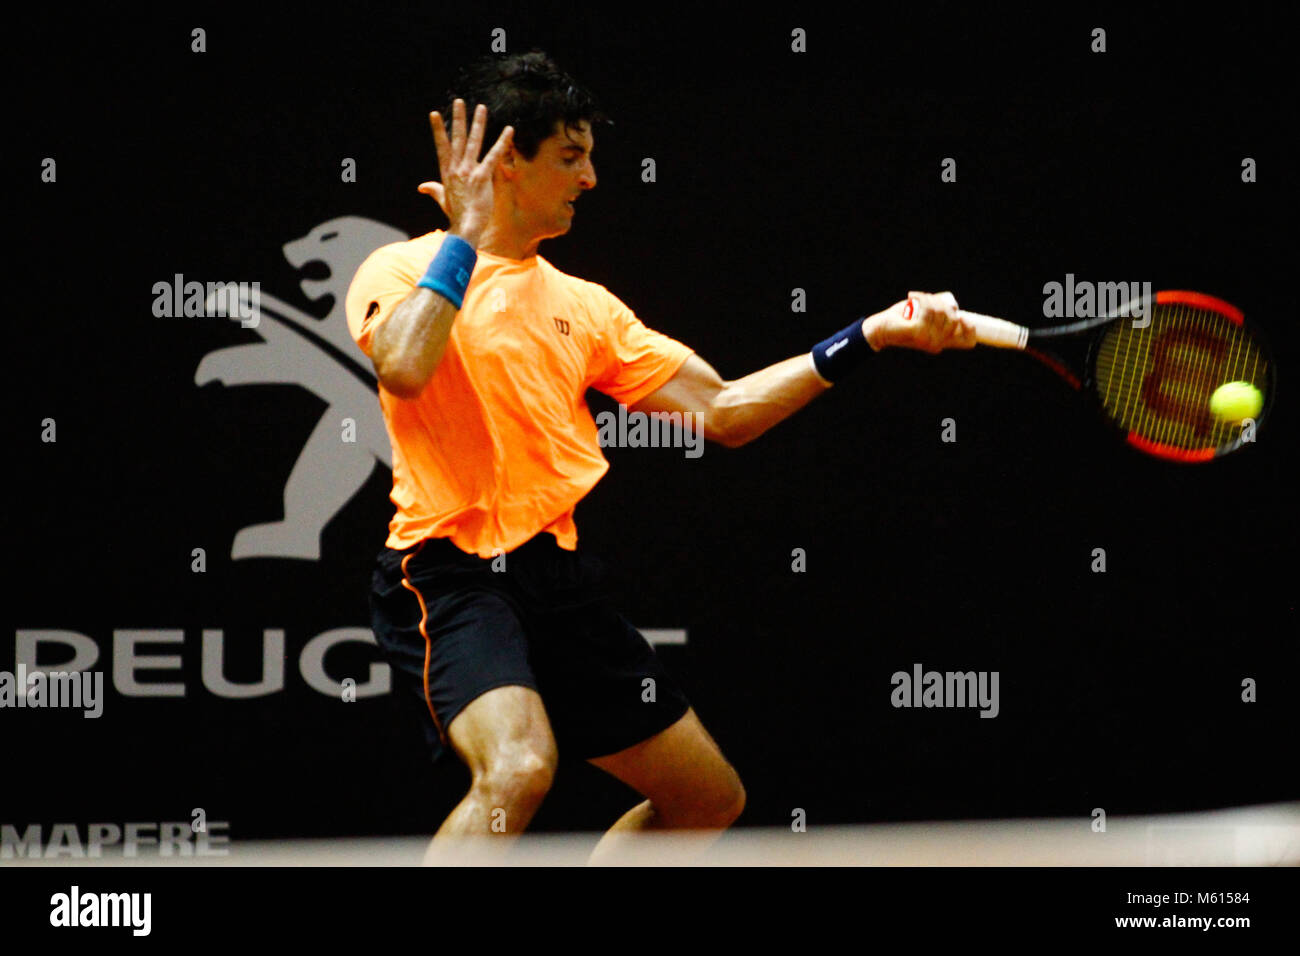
(428, 644)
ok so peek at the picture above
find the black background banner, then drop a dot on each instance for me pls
(363, 904)
(774, 170)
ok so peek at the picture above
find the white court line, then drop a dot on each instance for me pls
(1246, 836)
(664, 635)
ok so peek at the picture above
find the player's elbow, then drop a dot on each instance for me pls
(401, 382)
(736, 439)
(732, 419)
(405, 375)
(723, 426)
(400, 389)
(727, 432)
(729, 439)
(402, 369)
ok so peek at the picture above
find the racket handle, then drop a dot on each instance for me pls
(996, 332)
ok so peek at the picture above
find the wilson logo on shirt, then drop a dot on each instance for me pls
(562, 325)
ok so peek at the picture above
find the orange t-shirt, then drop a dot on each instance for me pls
(500, 445)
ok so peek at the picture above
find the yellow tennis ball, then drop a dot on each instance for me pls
(1236, 401)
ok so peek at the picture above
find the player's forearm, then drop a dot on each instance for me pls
(410, 343)
(749, 406)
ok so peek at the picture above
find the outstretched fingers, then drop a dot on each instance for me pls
(440, 142)
(457, 130)
(466, 191)
(462, 146)
(475, 142)
(499, 149)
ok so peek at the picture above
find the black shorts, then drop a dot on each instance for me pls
(453, 628)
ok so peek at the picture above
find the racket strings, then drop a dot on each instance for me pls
(1156, 381)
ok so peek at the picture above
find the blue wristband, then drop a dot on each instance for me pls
(450, 270)
(841, 353)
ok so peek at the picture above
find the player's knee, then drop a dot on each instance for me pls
(731, 802)
(738, 807)
(721, 803)
(522, 777)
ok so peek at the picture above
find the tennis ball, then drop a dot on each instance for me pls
(1236, 401)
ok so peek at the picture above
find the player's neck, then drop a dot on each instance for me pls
(499, 240)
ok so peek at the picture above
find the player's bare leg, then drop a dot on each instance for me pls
(506, 742)
(688, 783)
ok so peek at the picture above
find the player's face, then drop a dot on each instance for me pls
(548, 184)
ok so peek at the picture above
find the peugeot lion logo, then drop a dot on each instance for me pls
(320, 356)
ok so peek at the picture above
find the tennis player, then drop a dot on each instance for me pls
(498, 626)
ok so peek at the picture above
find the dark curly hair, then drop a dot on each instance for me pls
(526, 91)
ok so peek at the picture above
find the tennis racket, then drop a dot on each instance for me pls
(1152, 368)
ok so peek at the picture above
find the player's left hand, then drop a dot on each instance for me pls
(924, 321)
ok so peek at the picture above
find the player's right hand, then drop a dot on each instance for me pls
(465, 193)
(925, 321)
